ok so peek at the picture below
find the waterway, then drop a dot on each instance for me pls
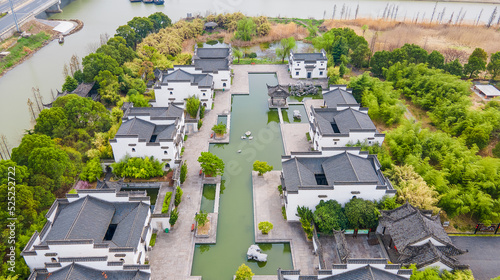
(45, 68)
(236, 225)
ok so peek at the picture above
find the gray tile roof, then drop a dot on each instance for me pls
(145, 130)
(407, 225)
(363, 273)
(278, 91)
(341, 168)
(428, 254)
(211, 53)
(212, 65)
(80, 272)
(337, 97)
(345, 120)
(309, 57)
(155, 112)
(179, 75)
(90, 217)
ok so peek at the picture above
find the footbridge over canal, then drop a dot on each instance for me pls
(24, 10)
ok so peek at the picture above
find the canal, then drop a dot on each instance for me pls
(236, 225)
(45, 68)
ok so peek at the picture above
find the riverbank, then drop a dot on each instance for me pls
(42, 33)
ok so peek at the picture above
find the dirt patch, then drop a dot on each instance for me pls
(488, 150)
(35, 27)
(459, 224)
(203, 230)
(419, 113)
(477, 102)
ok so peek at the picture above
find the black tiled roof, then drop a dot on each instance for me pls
(278, 91)
(80, 272)
(338, 96)
(344, 120)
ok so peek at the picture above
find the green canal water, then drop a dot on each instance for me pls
(235, 226)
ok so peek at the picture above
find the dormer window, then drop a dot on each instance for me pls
(321, 179)
(110, 232)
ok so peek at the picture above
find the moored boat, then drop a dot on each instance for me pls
(159, 2)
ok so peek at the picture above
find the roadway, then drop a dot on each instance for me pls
(22, 8)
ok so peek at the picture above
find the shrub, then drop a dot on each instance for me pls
(244, 273)
(252, 55)
(143, 168)
(184, 170)
(329, 216)
(200, 123)
(201, 218)
(92, 170)
(192, 106)
(220, 129)
(152, 242)
(308, 136)
(173, 217)
(280, 189)
(178, 196)
(283, 212)
(166, 202)
(211, 164)
(262, 167)
(265, 227)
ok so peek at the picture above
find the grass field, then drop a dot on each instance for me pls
(22, 48)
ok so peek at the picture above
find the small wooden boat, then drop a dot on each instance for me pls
(159, 2)
(147, 1)
(135, 0)
(61, 39)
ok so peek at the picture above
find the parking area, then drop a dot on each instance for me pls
(482, 256)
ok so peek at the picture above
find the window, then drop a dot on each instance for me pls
(335, 143)
(133, 149)
(171, 93)
(296, 73)
(298, 64)
(53, 260)
(369, 142)
(321, 179)
(204, 94)
(165, 152)
(321, 73)
(224, 84)
(110, 232)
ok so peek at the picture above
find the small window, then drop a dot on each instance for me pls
(224, 84)
(353, 197)
(133, 149)
(204, 94)
(165, 152)
(321, 73)
(53, 260)
(122, 260)
(110, 232)
(171, 93)
(335, 143)
(369, 142)
(298, 64)
(296, 73)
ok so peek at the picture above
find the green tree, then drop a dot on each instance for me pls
(283, 50)
(192, 106)
(211, 164)
(414, 53)
(329, 216)
(340, 47)
(265, 227)
(262, 167)
(29, 143)
(361, 213)
(360, 55)
(143, 168)
(494, 65)
(9, 168)
(244, 273)
(178, 196)
(364, 28)
(70, 84)
(237, 53)
(52, 122)
(436, 60)
(306, 219)
(342, 70)
(454, 67)
(476, 62)
(92, 170)
(245, 30)
(139, 100)
(52, 163)
(201, 218)
(220, 129)
(160, 20)
(183, 174)
(97, 62)
(174, 215)
(380, 60)
(142, 26)
(129, 34)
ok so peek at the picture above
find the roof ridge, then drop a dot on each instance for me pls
(370, 271)
(298, 171)
(352, 166)
(72, 266)
(77, 216)
(135, 219)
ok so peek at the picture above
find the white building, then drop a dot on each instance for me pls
(335, 173)
(178, 85)
(417, 237)
(151, 131)
(338, 127)
(102, 229)
(365, 269)
(308, 65)
(214, 61)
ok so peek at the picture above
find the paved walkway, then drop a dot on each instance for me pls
(267, 207)
(295, 137)
(482, 256)
(240, 80)
(172, 256)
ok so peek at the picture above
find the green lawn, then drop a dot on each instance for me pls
(300, 98)
(22, 48)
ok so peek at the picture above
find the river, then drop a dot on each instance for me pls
(44, 70)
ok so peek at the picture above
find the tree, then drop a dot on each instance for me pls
(286, 45)
(364, 28)
(244, 273)
(192, 106)
(220, 129)
(201, 218)
(139, 100)
(52, 122)
(127, 33)
(178, 196)
(245, 30)
(359, 56)
(361, 213)
(174, 215)
(211, 164)
(97, 62)
(494, 65)
(237, 53)
(142, 26)
(262, 167)
(29, 143)
(183, 174)
(52, 163)
(92, 170)
(380, 60)
(414, 53)
(476, 62)
(70, 84)
(454, 67)
(436, 60)
(340, 47)
(329, 216)
(20, 175)
(306, 218)
(135, 167)
(342, 70)
(265, 227)
(160, 20)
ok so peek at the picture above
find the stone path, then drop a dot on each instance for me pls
(267, 207)
(172, 256)
(295, 137)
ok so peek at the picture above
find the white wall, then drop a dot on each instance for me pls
(341, 193)
(221, 77)
(300, 67)
(433, 241)
(181, 91)
(121, 148)
(320, 141)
